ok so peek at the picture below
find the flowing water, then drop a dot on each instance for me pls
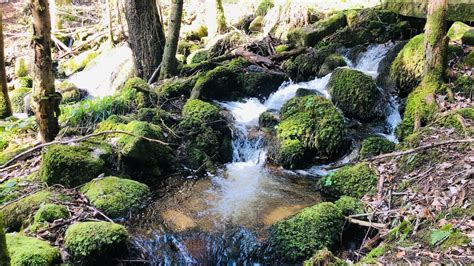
(222, 218)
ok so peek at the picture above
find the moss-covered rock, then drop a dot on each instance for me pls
(350, 206)
(306, 232)
(312, 34)
(196, 34)
(95, 242)
(215, 84)
(356, 94)
(25, 250)
(311, 127)
(257, 24)
(354, 181)
(75, 165)
(24, 82)
(176, 87)
(77, 63)
(331, 62)
(116, 196)
(17, 98)
(70, 93)
(268, 119)
(407, 68)
(468, 37)
(457, 30)
(375, 145)
(306, 66)
(197, 56)
(324, 257)
(48, 213)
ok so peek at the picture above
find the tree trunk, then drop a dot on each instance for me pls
(46, 100)
(109, 20)
(221, 24)
(436, 41)
(168, 65)
(146, 36)
(5, 105)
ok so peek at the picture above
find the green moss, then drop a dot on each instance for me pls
(468, 37)
(197, 112)
(257, 24)
(420, 106)
(25, 250)
(154, 116)
(355, 93)
(310, 126)
(371, 257)
(411, 162)
(306, 232)
(4, 255)
(375, 145)
(197, 34)
(305, 66)
(115, 196)
(197, 56)
(215, 84)
(21, 69)
(94, 242)
(350, 206)
(354, 181)
(176, 87)
(70, 93)
(456, 119)
(331, 62)
(324, 257)
(48, 213)
(268, 119)
(264, 6)
(469, 60)
(136, 84)
(281, 48)
(72, 166)
(77, 63)
(17, 99)
(407, 68)
(463, 84)
(25, 82)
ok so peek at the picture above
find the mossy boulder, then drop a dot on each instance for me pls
(74, 165)
(354, 181)
(140, 155)
(215, 84)
(116, 196)
(312, 34)
(77, 63)
(301, 92)
(17, 98)
(312, 229)
(324, 257)
(257, 24)
(306, 66)
(48, 213)
(468, 37)
(331, 62)
(95, 242)
(70, 93)
(24, 250)
(196, 34)
(457, 31)
(375, 145)
(197, 56)
(311, 127)
(268, 119)
(21, 68)
(176, 87)
(256, 82)
(264, 6)
(407, 68)
(350, 206)
(356, 94)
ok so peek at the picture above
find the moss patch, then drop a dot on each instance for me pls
(376, 145)
(331, 62)
(17, 98)
(77, 63)
(354, 181)
(350, 206)
(115, 196)
(25, 250)
(324, 257)
(48, 213)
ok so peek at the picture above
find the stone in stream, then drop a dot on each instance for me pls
(268, 119)
(331, 62)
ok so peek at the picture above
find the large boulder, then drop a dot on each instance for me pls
(74, 165)
(457, 9)
(312, 229)
(95, 242)
(312, 34)
(354, 181)
(116, 196)
(311, 128)
(24, 250)
(356, 94)
(457, 31)
(407, 69)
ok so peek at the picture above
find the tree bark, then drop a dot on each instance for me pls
(146, 37)
(46, 100)
(221, 24)
(5, 105)
(436, 41)
(168, 65)
(109, 20)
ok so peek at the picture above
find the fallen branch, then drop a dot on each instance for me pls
(252, 57)
(60, 44)
(379, 226)
(286, 55)
(62, 142)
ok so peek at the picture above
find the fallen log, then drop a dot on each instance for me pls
(285, 55)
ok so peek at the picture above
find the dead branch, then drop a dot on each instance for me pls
(252, 57)
(60, 44)
(286, 55)
(379, 226)
(63, 142)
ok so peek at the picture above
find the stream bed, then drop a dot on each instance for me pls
(223, 218)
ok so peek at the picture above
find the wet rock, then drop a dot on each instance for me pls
(301, 92)
(331, 62)
(115, 197)
(24, 250)
(268, 119)
(356, 94)
(383, 79)
(96, 242)
(312, 229)
(355, 51)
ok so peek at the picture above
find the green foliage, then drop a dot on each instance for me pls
(17, 99)
(354, 181)
(324, 257)
(407, 68)
(401, 231)
(93, 242)
(115, 196)
(71, 166)
(468, 37)
(197, 56)
(310, 125)
(355, 93)
(25, 82)
(469, 60)
(375, 145)
(447, 237)
(31, 251)
(306, 232)
(21, 69)
(264, 6)
(9, 190)
(350, 206)
(281, 48)
(370, 258)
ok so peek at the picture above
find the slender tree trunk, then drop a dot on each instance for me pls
(4, 258)
(168, 65)
(109, 20)
(5, 105)
(146, 36)
(436, 41)
(46, 100)
(221, 24)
